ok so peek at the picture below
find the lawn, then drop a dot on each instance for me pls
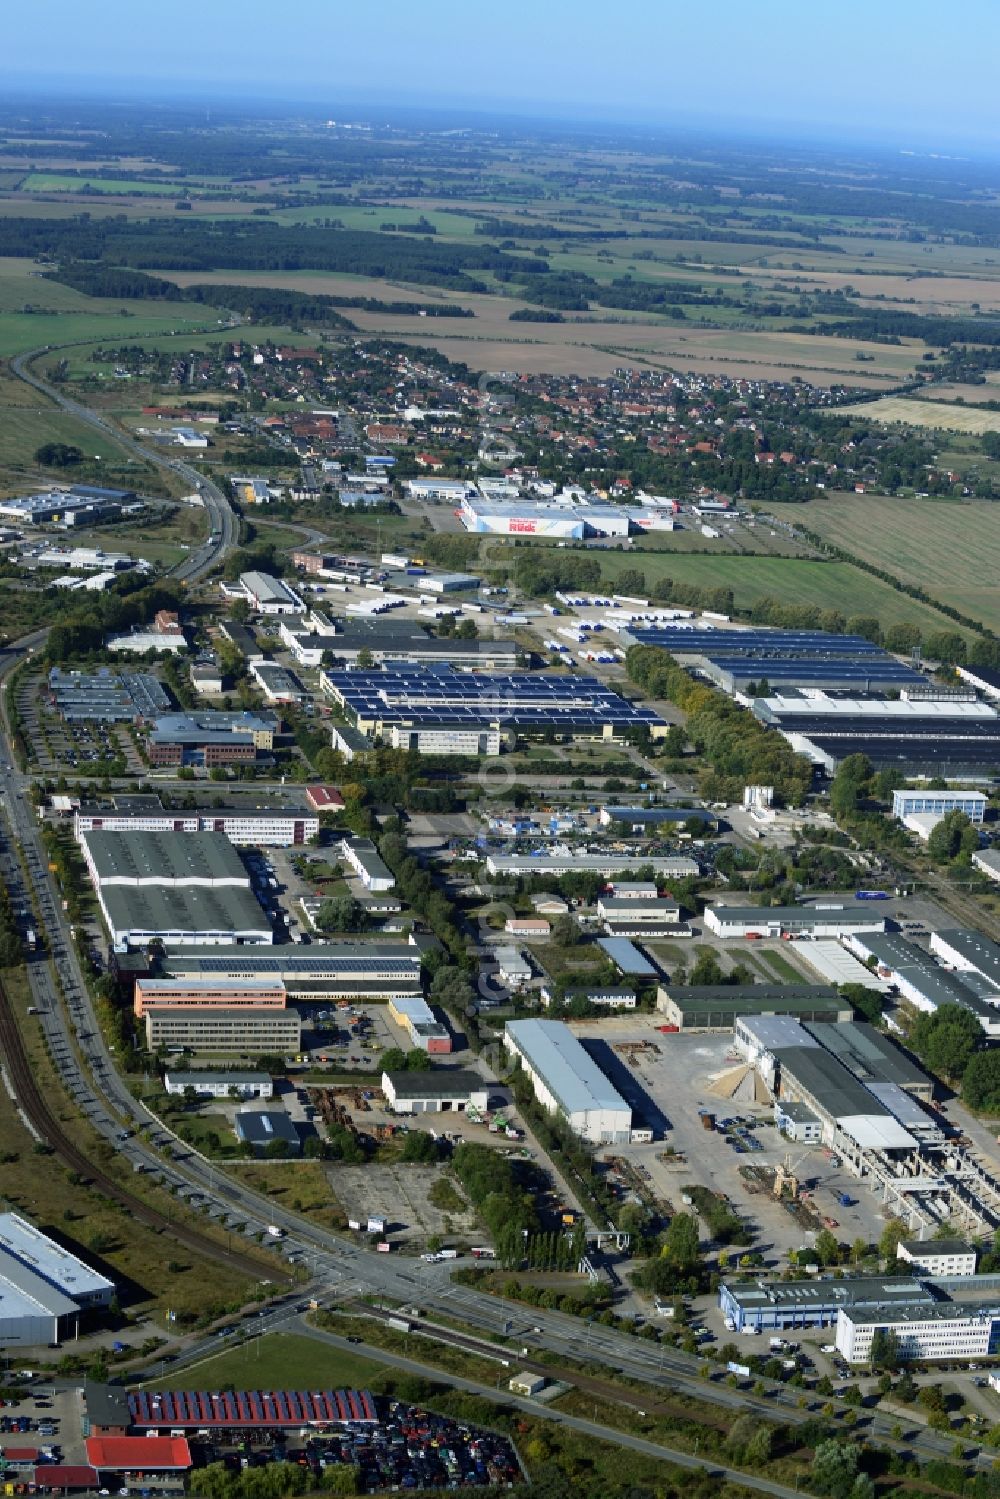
(23, 430)
(280, 1361)
(941, 545)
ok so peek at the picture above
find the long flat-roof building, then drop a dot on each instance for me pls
(211, 737)
(908, 803)
(232, 1083)
(607, 862)
(244, 1031)
(252, 827)
(164, 860)
(926, 985)
(43, 1287)
(568, 1081)
(828, 920)
(365, 860)
(204, 994)
(388, 639)
(519, 704)
(720, 1007)
(321, 970)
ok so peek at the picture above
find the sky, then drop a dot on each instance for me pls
(893, 71)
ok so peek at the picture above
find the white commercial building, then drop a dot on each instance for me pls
(444, 1090)
(771, 921)
(939, 804)
(252, 827)
(270, 595)
(364, 859)
(43, 1287)
(950, 1331)
(220, 1084)
(550, 861)
(567, 1081)
(938, 1256)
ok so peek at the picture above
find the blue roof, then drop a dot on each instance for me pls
(626, 956)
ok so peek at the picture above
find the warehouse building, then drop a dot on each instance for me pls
(106, 696)
(252, 827)
(321, 970)
(270, 595)
(277, 683)
(969, 952)
(43, 1287)
(837, 965)
(637, 818)
(389, 640)
(266, 1030)
(785, 1306)
(416, 1017)
(267, 1129)
(638, 918)
(203, 994)
(926, 985)
(237, 1410)
(828, 920)
(568, 1081)
(720, 1008)
(448, 1089)
(231, 1084)
(364, 858)
(627, 958)
(558, 522)
(175, 887)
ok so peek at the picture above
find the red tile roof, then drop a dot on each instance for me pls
(60, 1476)
(323, 797)
(132, 1454)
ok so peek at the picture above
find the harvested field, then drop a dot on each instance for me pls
(904, 411)
(940, 544)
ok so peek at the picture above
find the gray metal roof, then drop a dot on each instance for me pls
(868, 1055)
(262, 1126)
(205, 1075)
(825, 1079)
(568, 1071)
(874, 1291)
(925, 1249)
(38, 1275)
(168, 909)
(161, 858)
(973, 948)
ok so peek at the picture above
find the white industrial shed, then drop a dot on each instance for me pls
(43, 1287)
(568, 1081)
(448, 1089)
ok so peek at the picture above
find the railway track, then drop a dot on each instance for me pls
(31, 1100)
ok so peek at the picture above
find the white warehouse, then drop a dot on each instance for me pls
(568, 1082)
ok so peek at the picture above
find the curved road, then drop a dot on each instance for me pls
(222, 521)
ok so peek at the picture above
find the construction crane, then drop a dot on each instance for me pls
(785, 1178)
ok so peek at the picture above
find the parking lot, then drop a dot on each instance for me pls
(61, 746)
(672, 1075)
(44, 1417)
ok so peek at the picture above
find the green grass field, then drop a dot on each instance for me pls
(57, 182)
(280, 1361)
(22, 430)
(941, 545)
(830, 585)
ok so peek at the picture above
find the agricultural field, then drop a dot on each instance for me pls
(937, 415)
(939, 544)
(54, 182)
(829, 585)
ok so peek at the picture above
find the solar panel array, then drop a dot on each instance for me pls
(519, 699)
(877, 668)
(262, 1408)
(766, 643)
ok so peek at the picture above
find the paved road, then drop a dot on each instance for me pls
(222, 520)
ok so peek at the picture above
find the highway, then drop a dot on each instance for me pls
(223, 524)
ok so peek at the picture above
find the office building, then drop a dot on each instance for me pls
(568, 1081)
(938, 804)
(231, 1084)
(244, 1031)
(622, 917)
(272, 826)
(208, 738)
(938, 1257)
(204, 994)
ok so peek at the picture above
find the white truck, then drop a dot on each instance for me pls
(274, 1232)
